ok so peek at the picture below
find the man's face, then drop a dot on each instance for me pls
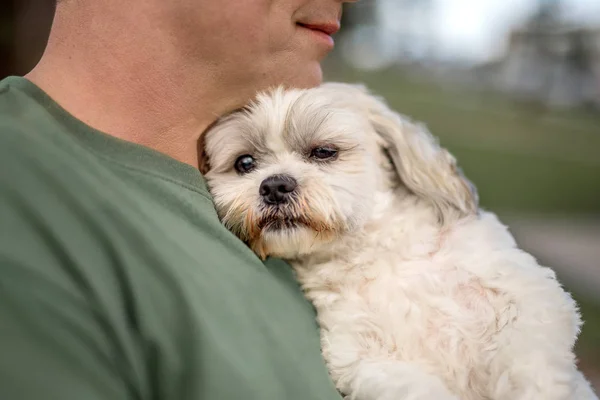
(255, 44)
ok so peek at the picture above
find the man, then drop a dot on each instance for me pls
(117, 280)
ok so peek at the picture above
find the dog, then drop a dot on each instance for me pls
(420, 294)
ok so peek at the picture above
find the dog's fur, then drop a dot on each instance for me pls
(420, 294)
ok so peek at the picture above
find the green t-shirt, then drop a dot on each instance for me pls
(117, 280)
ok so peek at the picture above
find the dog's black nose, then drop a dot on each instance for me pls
(276, 189)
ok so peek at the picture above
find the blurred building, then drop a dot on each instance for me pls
(560, 67)
(550, 61)
(545, 59)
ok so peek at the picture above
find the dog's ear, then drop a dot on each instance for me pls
(427, 169)
(203, 158)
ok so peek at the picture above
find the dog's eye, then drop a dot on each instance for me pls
(323, 153)
(244, 164)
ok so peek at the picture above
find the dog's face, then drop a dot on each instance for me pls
(291, 172)
(296, 169)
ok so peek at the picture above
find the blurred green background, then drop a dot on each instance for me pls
(511, 88)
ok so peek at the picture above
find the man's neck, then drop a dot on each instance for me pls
(150, 99)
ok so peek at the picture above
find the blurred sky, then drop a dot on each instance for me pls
(469, 30)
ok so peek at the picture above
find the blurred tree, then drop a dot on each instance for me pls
(579, 55)
(545, 21)
(355, 16)
(362, 12)
(580, 59)
(548, 14)
(409, 21)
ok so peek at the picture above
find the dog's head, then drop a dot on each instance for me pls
(298, 168)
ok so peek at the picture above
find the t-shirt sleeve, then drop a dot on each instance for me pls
(56, 342)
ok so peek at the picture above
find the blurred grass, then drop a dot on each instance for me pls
(588, 345)
(522, 158)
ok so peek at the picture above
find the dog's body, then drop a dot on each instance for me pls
(404, 302)
(420, 295)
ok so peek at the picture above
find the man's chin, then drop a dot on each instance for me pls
(314, 75)
(308, 76)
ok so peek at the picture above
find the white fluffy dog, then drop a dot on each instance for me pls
(419, 293)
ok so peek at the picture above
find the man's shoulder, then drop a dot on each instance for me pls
(30, 151)
(19, 136)
(26, 126)
(123, 256)
(39, 145)
(19, 106)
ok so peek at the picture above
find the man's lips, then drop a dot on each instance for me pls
(329, 28)
(323, 31)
